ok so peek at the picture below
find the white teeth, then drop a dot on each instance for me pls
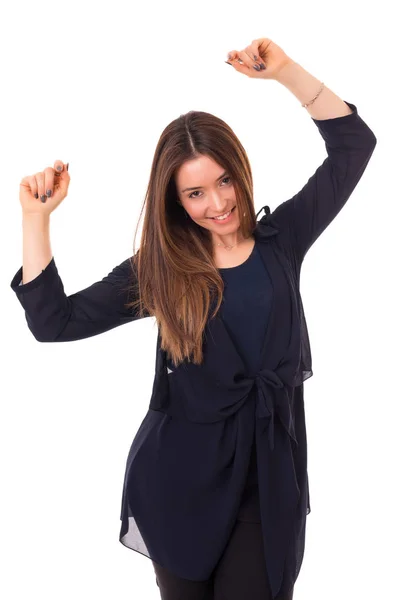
(223, 216)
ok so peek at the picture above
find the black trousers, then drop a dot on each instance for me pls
(239, 575)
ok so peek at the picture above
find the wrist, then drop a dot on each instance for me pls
(288, 72)
(32, 217)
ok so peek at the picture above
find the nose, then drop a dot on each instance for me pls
(218, 202)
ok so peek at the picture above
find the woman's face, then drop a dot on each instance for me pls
(212, 194)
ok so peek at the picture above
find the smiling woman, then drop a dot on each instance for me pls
(214, 199)
(200, 172)
(216, 486)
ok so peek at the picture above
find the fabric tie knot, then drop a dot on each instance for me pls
(271, 401)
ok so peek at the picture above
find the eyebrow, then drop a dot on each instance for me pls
(200, 186)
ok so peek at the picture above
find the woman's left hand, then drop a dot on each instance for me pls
(271, 55)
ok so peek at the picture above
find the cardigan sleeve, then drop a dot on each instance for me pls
(349, 143)
(52, 316)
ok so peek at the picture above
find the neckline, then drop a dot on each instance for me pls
(241, 264)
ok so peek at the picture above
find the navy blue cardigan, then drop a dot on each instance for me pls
(188, 462)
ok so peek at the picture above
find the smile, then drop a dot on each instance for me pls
(223, 217)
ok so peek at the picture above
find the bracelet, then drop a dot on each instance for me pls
(315, 97)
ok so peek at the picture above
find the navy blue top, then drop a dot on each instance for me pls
(245, 311)
(189, 459)
(246, 305)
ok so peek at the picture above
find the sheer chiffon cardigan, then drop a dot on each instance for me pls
(187, 464)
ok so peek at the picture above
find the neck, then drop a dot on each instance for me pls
(231, 239)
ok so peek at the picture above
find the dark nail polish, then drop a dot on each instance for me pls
(257, 67)
(228, 63)
(263, 67)
(48, 193)
(59, 168)
(36, 195)
(43, 198)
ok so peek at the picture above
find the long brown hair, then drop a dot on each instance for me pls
(176, 279)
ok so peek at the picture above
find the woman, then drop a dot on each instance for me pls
(216, 485)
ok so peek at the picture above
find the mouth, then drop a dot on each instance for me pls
(223, 217)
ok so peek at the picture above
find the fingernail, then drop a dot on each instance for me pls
(257, 67)
(228, 63)
(43, 198)
(36, 195)
(59, 168)
(48, 193)
(263, 66)
(67, 166)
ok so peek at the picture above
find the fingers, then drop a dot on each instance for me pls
(48, 181)
(249, 58)
(44, 183)
(59, 167)
(30, 181)
(232, 56)
(40, 185)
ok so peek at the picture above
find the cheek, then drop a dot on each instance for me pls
(196, 213)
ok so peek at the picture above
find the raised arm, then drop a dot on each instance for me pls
(52, 316)
(349, 143)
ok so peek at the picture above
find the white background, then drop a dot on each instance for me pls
(94, 84)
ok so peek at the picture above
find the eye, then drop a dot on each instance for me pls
(191, 195)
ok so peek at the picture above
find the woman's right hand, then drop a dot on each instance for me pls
(37, 185)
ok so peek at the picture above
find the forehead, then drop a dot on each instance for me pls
(197, 171)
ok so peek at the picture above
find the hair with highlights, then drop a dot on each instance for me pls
(176, 279)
